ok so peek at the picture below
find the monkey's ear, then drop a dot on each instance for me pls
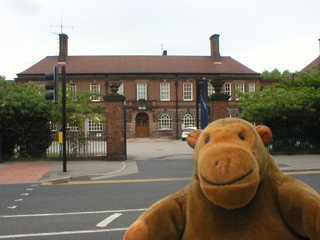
(265, 134)
(193, 137)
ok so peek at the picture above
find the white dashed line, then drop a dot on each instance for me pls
(108, 220)
(11, 207)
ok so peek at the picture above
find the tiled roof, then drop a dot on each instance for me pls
(141, 64)
(312, 66)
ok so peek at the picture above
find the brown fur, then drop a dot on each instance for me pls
(237, 192)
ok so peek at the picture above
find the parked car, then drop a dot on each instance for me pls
(186, 132)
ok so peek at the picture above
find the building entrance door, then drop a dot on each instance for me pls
(142, 125)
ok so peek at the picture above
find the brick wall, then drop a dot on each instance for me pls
(219, 109)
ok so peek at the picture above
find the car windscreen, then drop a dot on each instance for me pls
(188, 130)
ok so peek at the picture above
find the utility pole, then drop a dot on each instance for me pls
(54, 85)
(64, 118)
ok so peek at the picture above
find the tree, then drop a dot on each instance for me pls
(291, 109)
(286, 74)
(25, 113)
(275, 74)
(79, 107)
(293, 102)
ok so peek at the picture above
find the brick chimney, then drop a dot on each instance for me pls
(63, 38)
(214, 46)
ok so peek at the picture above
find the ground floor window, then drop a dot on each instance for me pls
(95, 127)
(165, 122)
(53, 127)
(188, 120)
(72, 128)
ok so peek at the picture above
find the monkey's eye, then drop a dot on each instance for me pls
(241, 137)
(207, 139)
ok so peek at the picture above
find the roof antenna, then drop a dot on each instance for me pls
(161, 48)
(61, 26)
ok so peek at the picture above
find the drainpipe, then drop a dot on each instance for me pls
(197, 104)
(177, 108)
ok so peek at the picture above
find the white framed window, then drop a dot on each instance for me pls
(53, 127)
(120, 90)
(73, 88)
(187, 91)
(72, 128)
(95, 88)
(188, 120)
(95, 127)
(165, 91)
(240, 87)
(141, 91)
(210, 89)
(252, 87)
(227, 89)
(165, 122)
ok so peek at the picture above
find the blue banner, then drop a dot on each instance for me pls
(204, 113)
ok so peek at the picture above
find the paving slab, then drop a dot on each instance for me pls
(23, 172)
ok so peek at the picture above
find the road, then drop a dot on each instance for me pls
(88, 210)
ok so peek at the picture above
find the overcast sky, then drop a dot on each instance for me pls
(261, 34)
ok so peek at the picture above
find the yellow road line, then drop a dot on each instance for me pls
(302, 173)
(66, 182)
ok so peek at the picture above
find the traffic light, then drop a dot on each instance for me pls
(54, 85)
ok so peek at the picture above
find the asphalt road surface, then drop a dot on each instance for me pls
(91, 210)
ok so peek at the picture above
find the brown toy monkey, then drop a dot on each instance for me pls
(237, 192)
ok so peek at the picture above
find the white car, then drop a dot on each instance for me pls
(186, 132)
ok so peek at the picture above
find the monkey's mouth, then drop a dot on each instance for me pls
(230, 182)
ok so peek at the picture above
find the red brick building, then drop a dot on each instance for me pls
(160, 90)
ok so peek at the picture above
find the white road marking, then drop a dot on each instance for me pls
(73, 213)
(62, 233)
(34, 185)
(108, 220)
(29, 189)
(24, 194)
(11, 207)
(18, 200)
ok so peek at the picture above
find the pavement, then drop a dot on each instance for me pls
(142, 149)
